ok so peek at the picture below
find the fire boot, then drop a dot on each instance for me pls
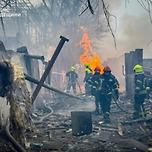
(106, 117)
(142, 112)
(97, 112)
(136, 115)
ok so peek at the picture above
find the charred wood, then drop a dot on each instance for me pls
(6, 134)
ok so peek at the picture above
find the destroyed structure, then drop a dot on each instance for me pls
(58, 121)
(35, 115)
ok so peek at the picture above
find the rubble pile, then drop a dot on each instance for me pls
(53, 130)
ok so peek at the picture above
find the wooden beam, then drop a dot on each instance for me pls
(31, 79)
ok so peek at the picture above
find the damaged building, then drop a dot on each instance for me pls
(59, 121)
(37, 114)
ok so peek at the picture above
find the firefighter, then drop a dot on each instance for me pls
(140, 92)
(109, 89)
(95, 86)
(87, 81)
(87, 66)
(72, 80)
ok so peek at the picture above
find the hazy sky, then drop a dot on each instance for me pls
(134, 29)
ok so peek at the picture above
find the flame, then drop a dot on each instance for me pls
(89, 56)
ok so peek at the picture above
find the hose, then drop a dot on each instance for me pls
(114, 98)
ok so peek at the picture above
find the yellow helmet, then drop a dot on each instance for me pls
(72, 68)
(138, 68)
(87, 70)
(87, 65)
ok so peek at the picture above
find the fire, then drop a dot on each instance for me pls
(89, 56)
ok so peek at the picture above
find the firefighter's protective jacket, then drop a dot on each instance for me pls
(72, 77)
(87, 78)
(95, 83)
(109, 85)
(149, 84)
(141, 87)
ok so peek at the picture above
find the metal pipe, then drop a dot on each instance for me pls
(35, 56)
(49, 67)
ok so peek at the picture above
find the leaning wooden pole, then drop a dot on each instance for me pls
(49, 67)
(47, 86)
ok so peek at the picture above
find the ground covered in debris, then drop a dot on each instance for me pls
(53, 131)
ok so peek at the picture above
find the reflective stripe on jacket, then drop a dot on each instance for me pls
(72, 76)
(140, 84)
(95, 81)
(109, 83)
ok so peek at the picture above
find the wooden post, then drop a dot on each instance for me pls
(131, 59)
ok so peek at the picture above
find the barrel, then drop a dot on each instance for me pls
(81, 122)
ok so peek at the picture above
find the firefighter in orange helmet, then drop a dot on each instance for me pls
(95, 86)
(109, 88)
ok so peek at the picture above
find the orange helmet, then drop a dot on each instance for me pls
(107, 69)
(97, 69)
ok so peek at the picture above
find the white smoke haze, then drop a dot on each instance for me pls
(131, 31)
(136, 33)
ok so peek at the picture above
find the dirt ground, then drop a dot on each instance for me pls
(53, 129)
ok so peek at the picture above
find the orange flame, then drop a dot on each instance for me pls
(89, 56)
